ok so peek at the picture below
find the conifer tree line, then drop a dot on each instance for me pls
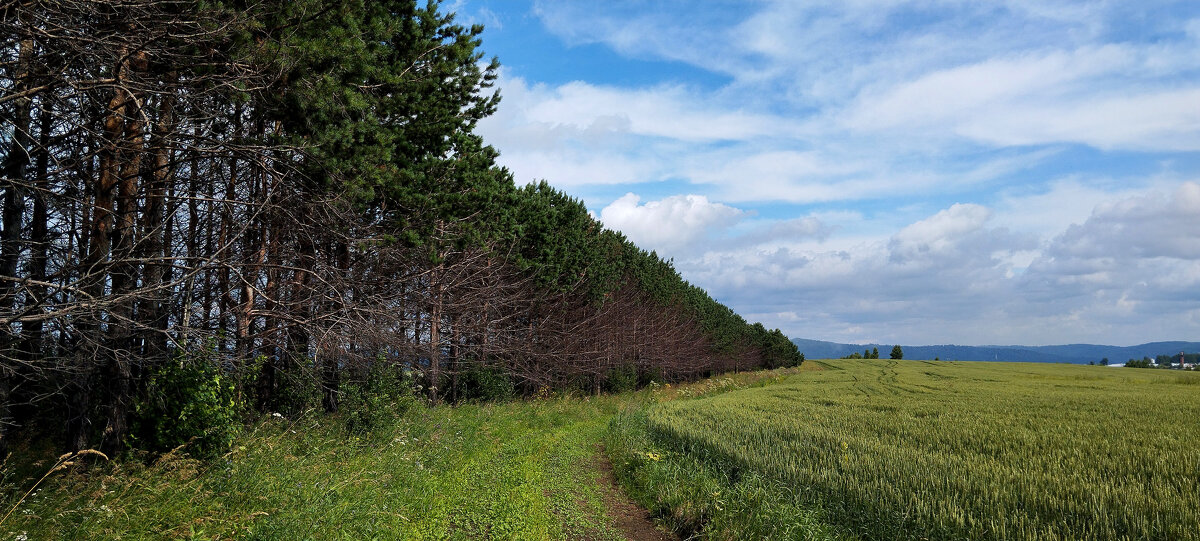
(293, 193)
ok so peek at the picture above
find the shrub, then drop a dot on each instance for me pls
(650, 374)
(297, 388)
(621, 379)
(382, 398)
(486, 383)
(189, 400)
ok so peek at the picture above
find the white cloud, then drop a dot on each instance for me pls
(660, 111)
(669, 223)
(1046, 97)
(578, 134)
(1154, 225)
(672, 30)
(1157, 121)
(894, 170)
(1125, 272)
(468, 15)
(576, 168)
(1015, 74)
(1131, 269)
(939, 235)
(947, 94)
(793, 232)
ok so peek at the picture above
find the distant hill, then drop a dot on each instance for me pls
(1069, 353)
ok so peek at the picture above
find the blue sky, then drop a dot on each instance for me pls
(917, 172)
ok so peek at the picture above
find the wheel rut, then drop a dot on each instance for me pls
(634, 521)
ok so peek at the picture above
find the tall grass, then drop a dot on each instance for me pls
(699, 495)
(385, 469)
(889, 450)
(520, 470)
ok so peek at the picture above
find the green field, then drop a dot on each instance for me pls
(836, 449)
(940, 450)
(519, 470)
(525, 469)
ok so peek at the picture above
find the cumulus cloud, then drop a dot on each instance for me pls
(950, 277)
(1135, 250)
(941, 256)
(1005, 172)
(784, 232)
(939, 236)
(669, 223)
(1155, 225)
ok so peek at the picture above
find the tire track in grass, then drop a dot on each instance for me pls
(633, 520)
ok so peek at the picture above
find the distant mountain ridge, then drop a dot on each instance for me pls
(1068, 353)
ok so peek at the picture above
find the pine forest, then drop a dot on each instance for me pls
(274, 206)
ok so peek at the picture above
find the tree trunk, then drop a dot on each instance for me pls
(455, 362)
(155, 252)
(39, 237)
(96, 355)
(300, 298)
(435, 341)
(122, 360)
(13, 172)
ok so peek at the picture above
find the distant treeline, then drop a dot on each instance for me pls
(1163, 361)
(276, 200)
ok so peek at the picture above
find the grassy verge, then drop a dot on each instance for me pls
(518, 470)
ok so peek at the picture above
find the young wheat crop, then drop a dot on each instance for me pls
(909, 449)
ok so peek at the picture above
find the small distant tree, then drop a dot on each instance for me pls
(897, 353)
(1104, 361)
(867, 354)
(874, 353)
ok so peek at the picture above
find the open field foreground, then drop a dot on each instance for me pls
(526, 469)
(927, 450)
(519, 470)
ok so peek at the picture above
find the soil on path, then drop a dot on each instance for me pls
(634, 521)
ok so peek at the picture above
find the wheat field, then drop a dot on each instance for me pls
(950, 450)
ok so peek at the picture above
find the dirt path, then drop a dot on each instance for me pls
(633, 521)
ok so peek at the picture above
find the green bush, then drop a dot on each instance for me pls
(298, 390)
(189, 400)
(379, 400)
(621, 379)
(648, 375)
(486, 383)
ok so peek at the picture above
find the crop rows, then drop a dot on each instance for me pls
(893, 449)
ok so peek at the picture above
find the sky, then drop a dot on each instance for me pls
(887, 171)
